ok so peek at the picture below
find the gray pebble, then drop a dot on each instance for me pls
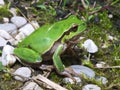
(79, 69)
(5, 34)
(18, 21)
(8, 59)
(5, 19)
(2, 2)
(69, 80)
(2, 42)
(23, 73)
(32, 86)
(9, 27)
(27, 29)
(13, 11)
(91, 87)
(102, 79)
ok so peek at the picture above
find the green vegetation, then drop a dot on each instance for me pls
(4, 12)
(99, 28)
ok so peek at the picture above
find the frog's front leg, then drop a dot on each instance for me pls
(57, 60)
(59, 65)
(28, 55)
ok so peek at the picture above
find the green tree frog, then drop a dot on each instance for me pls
(49, 41)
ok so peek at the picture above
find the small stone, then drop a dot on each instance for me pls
(5, 20)
(111, 38)
(27, 29)
(8, 49)
(69, 80)
(18, 21)
(81, 38)
(102, 79)
(14, 33)
(20, 37)
(5, 34)
(32, 86)
(23, 73)
(8, 27)
(2, 41)
(2, 2)
(110, 16)
(90, 46)
(101, 64)
(13, 11)
(79, 69)
(91, 87)
(9, 60)
(12, 41)
(7, 56)
(35, 24)
(105, 45)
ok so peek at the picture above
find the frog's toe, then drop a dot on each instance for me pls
(46, 67)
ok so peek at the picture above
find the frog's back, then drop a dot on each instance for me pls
(37, 40)
(43, 39)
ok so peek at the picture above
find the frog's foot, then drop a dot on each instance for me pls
(69, 72)
(46, 67)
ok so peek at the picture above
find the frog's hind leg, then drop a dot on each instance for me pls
(27, 55)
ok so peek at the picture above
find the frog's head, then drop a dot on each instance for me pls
(75, 22)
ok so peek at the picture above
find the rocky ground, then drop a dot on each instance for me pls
(97, 62)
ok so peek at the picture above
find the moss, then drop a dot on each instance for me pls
(4, 12)
(98, 32)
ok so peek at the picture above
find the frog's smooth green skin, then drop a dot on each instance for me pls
(33, 48)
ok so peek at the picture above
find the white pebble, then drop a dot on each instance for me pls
(8, 49)
(5, 34)
(2, 2)
(90, 46)
(5, 20)
(105, 45)
(13, 11)
(110, 37)
(9, 60)
(18, 21)
(19, 37)
(27, 29)
(7, 56)
(32, 86)
(9, 27)
(102, 79)
(35, 24)
(110, 16)
(12, 41)
(23, 73)
(101, 64)
(2, 41)
(91, 87)
(69, 80)
(79, 69)
(14, 33)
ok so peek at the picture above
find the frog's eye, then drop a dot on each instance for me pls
(72, 29)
